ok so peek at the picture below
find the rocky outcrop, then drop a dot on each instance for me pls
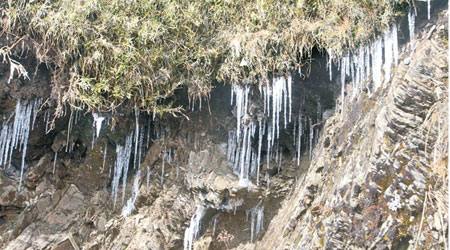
(375, 179)
(376, 168)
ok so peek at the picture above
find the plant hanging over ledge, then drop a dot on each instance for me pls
(106, 53)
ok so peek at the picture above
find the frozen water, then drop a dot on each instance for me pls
(15, 135)
(98, 121)
(411, 26)
(123, 160)
(193, 231)
(129, 207)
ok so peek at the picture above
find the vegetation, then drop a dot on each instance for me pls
(106, 53)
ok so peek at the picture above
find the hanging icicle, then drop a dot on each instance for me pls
(15, 136)
(193, 231)
(411, 26)
(121, 168)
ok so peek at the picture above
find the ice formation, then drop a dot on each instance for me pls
(129, 207)
(277, 102)
(121, 168)
(136, 134)
(14, 135)
(98, 121)
(104, 156)
(411, 26)
(54, 162)
(256, 221)
(192, 232)
(368, 60)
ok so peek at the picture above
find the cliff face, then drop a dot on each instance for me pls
(377, 179)
(366, 172)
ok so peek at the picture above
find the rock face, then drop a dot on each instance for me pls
(375, 178)
(370, 185)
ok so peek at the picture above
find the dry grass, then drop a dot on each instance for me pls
(107, 53)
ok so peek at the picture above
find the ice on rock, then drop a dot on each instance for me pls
(162, 167)
(256, 221)
(377, 63)
(299, 139)
(311, 137)
(411, 26)
(241, 104)
(15, 135)
(98, 121)
(129, 207)
(54, 162)
(214, 226)
(345, 68)
(330, 63)
(136, 138)
(121, 167)
(104, 157)
(193, 231)
(148, 176)
(395, 43)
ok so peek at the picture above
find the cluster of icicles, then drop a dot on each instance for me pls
(14, 134)
(375, 60)
(123, 153)
(246, 161)
(372, 63)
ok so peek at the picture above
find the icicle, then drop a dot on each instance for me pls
(123, 159)
(343, 69)
(299, 140)
(411, 26)
(154, 111)
(285, 102)
(36, 105)
(260, 138)
(241, 105)
(377, 63)
(388, 54)
(98, 120)
(289, 84)
(214, 226)
(395, 43)
(257, 221)
(269, 138)
(193, 231)
(141, 141)
(129, 207)
(242, 160)
(330, 63)
(429, 9)
(252, 226)
(147, 144)
(104, 157)
(162, 167)
(311, 137)
(54, 162)
(125, 167)
(136, 138)
(47, 119)
(14, 136)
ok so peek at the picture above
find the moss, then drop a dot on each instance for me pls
(116, 52)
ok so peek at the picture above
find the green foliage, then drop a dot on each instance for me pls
(105, 53)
